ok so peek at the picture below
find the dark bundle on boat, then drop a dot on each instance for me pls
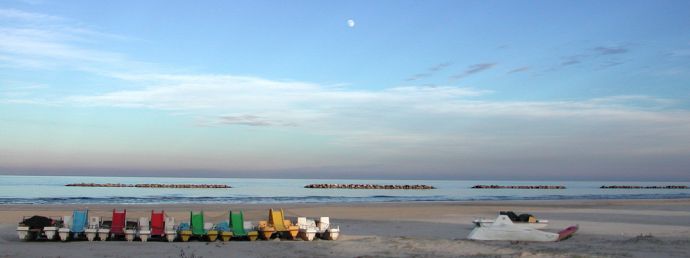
(132, 224)
(518, 218)
(37, 222)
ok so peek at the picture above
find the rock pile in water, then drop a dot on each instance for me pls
(643, 187)
(152, 185)
(518, 187)
(371, 186)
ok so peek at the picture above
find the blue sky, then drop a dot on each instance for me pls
(415, 89)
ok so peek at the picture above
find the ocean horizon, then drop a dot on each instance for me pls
(52, 190)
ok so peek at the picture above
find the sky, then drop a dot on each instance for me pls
(516, 90)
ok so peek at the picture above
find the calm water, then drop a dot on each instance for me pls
(51, 190)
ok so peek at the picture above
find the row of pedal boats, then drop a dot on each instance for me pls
(158, 225)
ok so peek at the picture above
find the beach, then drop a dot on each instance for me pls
(608, 228)
(388, 128)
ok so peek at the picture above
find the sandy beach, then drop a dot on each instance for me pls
(608, 228)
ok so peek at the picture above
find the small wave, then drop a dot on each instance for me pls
(174, 199)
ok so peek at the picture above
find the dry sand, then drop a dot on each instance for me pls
(620, 228)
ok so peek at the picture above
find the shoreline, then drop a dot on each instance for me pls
(529, 201)
(466, 209)
(324, 200)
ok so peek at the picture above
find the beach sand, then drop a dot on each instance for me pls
(608, 228)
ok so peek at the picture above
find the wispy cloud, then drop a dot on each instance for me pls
(519, 69)
(615, 50)
(572, 60)
(19, 85)
(440, 66)
(33, 2)
(611, 63)
(568, 62)
(473, 69)
(429, 72)
(42, 44)
(34, 40)
(250, 120)
(289, 101)
(10, 89)
(601, 57)
(679, 53)
(636, 100)
(478, 68)
(417, 76)
(27, 16)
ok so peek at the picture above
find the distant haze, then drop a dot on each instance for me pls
(520, 90)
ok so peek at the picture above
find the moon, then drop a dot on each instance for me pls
(350, 23)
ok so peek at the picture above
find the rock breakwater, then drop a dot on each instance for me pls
(151, 185)
(644, 187)
(518, 187)
(371, 186)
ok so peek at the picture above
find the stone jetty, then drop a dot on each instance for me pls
(644, 187)
(151, 185)
(371, 186)
(518, 187)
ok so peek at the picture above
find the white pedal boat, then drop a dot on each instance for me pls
(63, 232)
(144, 230)
(307, 228)
(326, 230)
(92, 231)
(130, 234)
(131, 230)
(23, 232)
(103, 233)
(50, 232)
(170, 229)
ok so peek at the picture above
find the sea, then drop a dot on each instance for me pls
(52, 190)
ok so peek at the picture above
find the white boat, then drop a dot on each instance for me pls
(36, 227)
(307, 228)
(23, 232)
(130, 230)
(504, 229)
(326, 230)
(50, 232)
(92, 230)
(103, 232)
(170, 231)
(130, 234)
(63, 232)
(144, 229)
